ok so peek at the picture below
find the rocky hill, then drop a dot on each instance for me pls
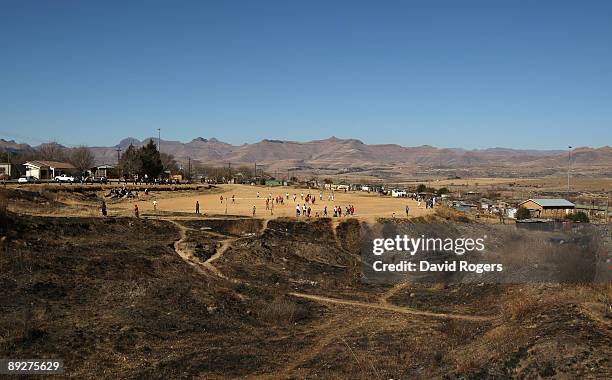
(351, 154)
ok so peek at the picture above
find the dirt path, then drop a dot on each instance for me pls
(225, 245)
(185, 254)
(391, 308)
(393, 291)
(188, 256)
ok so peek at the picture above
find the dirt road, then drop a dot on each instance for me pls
(391, 308)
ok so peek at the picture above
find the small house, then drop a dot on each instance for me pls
(274, 182)
(548, 207)
(103, 171)
(47, 169)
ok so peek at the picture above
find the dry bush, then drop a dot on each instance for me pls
(459, 332)
(519, 307)
(451, 214)
(282, 311)
(468, 363)
(49, 195)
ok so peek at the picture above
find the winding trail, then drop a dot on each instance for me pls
(186, 254)
(393, 291)
(392, 308)
(180, 247)
(331, 331)
(225, 245)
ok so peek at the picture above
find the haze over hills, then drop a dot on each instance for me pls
(353, 155)
(335, 153)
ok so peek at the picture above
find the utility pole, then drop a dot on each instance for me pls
(569, 166)
(189, 165)
(159, 140)
(118, 161)
(606, 216)
(10, 167)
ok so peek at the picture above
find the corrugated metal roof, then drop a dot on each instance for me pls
(553, 202)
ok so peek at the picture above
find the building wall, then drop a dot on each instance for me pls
(531, 205)
(6, 170)
(540, 212)
(555, 213)
(43, 173)
(32, 171)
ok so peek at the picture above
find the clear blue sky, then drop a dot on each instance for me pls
(473, 74)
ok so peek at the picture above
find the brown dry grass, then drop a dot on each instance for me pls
(282, 311)
(450, 214)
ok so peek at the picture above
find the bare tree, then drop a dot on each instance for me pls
(169, 162)
(82, 158)
(51, 151)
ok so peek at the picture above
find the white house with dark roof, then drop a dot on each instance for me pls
(43, 169)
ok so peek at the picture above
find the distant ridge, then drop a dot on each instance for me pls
(339, 153)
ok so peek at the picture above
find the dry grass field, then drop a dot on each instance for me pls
(367, 206)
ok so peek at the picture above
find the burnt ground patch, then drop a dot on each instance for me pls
(113, 298)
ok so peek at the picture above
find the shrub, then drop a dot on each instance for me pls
(579, 216)
(522, 213)
(282, 311)
(441, 191)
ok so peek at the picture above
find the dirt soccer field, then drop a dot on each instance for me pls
(367, 206)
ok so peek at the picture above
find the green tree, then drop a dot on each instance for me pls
(150, 160)
(442, 190)
(522, 213)
(130, 163)
(421, 188)
(579, 216)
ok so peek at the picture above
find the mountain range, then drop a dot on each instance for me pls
(334, 154)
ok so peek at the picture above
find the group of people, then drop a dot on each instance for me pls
(121, 192)
(348, 211)
(304, 211)
(306, 208)
(139, 180)
(305, 204)
(429, 202)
